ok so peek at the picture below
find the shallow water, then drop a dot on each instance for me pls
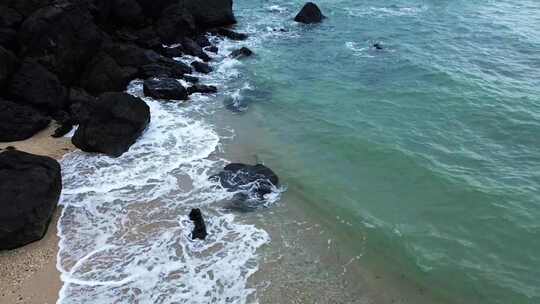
(411, 172)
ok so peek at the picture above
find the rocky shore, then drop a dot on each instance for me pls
(64, 66)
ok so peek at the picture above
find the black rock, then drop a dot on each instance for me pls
(199, 231)
(30, 187)
(190, 78)
(252, 181)
(8, 64)
(242, 52)
(192, 48)
(8, 39)
(310, 13)
(18, 122)
(173, 70)
(34, 85)
(62, 37)
(202, 41)
(103, 74)
(175, 22)
(230, 34)
(201, 67)
(201, 88)
(172, 52)
(214, 49)
(115, 122)
(79, 103)
(165, 88)
(210, 13)
(378, 46)
(9, 17)
(130, 55)
(127, 12)
(62, 130)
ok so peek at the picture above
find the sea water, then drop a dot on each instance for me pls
(419, 162)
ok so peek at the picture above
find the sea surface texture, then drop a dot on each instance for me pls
(428, 152)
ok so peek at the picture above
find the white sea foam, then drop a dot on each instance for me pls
(124, 231)
(358, 50)
(387, 11)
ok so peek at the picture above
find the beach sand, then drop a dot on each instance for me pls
(29, 274)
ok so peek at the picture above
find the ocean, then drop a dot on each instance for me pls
(409, 174)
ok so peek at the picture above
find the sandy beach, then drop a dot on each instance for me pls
(29, 274)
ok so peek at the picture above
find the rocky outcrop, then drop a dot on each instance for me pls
(18, 122)
(230, 34)
(201, 67)
(201, 88)
(103, 74)
(199, 229)
(310, 13)
(242, 52)
(114, 123)
(165, 88)
(254, 182)
(30, 187)
(34, 85)
(192, 48)
(8, 65)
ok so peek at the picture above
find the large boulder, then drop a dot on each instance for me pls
(174, 23)
(201, 88)
(114, 123)
(191, 47)
(165, 88)
(8, 64)
(18, 122)
(310, 13)
(130, 55)
(253, 182)
(9, 17)
(201, 67)
(34, 85)
(63, 37)
(103, 74)
(30, 187)
(127, 12)
(210, 13)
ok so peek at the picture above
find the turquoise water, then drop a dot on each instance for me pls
(431, 146)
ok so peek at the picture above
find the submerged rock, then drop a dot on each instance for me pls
(18, 122)
(114, 123)
(230, 34)
(30, 187)
(378, 46)
(201, 88)
(199, 231)
(165, 88)
(253, 182)
(242, 52)
(201, 67)
(310, 13)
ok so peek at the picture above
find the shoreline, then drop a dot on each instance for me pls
(29, 273)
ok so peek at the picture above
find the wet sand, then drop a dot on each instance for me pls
(29, 274)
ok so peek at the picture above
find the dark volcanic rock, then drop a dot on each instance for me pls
(165, 88)
(192, 48)
(8, 39)
(201, 67)
(175, 22)
(34, 85)
(18, 122)
(103, 74)
(9, 17)
(8, 64)
(202, 41)
(190, 78)
(199, 231)
(231, 34)
(201, 88)
(30, 187)
(63, 37)
(26, 7)
(130, 55)
(214, 49)
(127, 12)
(378, 46)
(172, 52)
(310, 13)
(242, 52)
(174, 70)
(211, 13)
(252, 181)
(79, 104)
(114, 123)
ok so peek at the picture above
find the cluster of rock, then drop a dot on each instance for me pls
(71, 60)
(61, 59)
